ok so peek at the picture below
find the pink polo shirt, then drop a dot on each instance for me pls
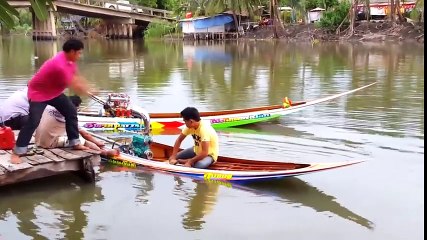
(53, 77)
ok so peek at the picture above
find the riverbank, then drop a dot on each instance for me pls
(364, 31)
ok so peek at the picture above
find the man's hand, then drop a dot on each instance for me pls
(100, 144)
(188, 164)
(173, 160)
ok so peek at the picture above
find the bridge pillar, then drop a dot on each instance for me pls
(130, 30)
(44, 30)
(124, 31)
(116, 31)
(119, 29)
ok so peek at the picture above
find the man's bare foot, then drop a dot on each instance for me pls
(80, 147)
(15, 159)
(173, 161)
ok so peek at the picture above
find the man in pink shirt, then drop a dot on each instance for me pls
(46, 88)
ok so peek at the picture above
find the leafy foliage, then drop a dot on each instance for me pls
(334, 16)
(310, 4)
(157, 30)
(417, 13)
(7, 12)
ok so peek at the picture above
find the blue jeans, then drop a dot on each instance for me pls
(189, 153)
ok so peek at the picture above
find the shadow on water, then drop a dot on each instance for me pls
(63, 195)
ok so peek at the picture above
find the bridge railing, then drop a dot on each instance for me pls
(126, 7)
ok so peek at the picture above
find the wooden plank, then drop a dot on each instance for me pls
(30, 161)
(64, 154)
(24, 159)
(52, 156)
(5, 163)
(80, 153)
(94, 152)
(38, 159)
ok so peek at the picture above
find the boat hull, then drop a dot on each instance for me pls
(207, 174)
(218, 119)
(226, 168)
(218, 122)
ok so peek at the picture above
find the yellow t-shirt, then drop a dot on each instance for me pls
(204, 132)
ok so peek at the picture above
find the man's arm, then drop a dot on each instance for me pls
(176, 146)
(204, 153)
(79, 85)
(90, 138)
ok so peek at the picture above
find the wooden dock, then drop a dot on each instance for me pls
(52, 162)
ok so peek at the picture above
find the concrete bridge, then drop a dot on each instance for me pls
(120, 19)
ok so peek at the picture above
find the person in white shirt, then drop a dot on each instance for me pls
(14, 110)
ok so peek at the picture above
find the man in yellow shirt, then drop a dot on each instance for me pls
(205, 150)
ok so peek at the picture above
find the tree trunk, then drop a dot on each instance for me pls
(274, 15)
(4, 30)
(278, 16)
(236, 24)
(353, 13)
(392, 11)
(399, 14)
(368, 10)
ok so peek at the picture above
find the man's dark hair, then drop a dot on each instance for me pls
(72, 44)
(76, 100)
(190, 113)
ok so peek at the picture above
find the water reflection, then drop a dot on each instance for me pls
(296, 191)
(32, 203)
(201, 196)
(384, 123)
(202, 199)
(143, 184)
(216, 76)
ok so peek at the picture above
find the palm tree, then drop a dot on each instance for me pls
(235, 6)
(40, 8)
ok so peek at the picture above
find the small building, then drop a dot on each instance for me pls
(314, 15)
(207, 26)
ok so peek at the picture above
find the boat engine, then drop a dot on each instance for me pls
(118, 100)
(140, 145)
(118, 105)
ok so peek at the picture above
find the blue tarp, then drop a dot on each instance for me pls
(211, 55)
(218, 20)
(213, 21)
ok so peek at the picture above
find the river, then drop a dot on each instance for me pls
(381, 198)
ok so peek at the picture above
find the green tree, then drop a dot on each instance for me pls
(235, 6)
(310, 4)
